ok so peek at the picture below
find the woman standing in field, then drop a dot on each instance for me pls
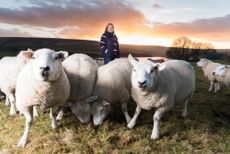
(109, 45)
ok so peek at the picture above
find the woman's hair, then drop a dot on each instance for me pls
(109, 24)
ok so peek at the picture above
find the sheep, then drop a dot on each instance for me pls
(159, 86)
(10, 67)
(208, 67)
(223, 72)
(112, 86)
(81, 71)
(41, 82)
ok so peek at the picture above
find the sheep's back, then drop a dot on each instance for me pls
(113, 80)
(81, 71)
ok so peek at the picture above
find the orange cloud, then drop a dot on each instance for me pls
(87, 19)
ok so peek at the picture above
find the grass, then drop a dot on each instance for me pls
(205, 130)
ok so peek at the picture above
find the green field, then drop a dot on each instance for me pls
(205, 130)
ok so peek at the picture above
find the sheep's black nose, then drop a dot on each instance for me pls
(47, 68)
(213, 73)
(141, 83)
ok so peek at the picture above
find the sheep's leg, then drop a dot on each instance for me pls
(7, 102)
(35, 111)
(156, 122)
(211, 86)
(216, 87)
(185, 110)
(60, 114)
(53, 115)
(132, 123)
(29, 119)
(12, 104)
(125, 111)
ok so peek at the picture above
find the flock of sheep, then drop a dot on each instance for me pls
(54, 80)
(218, 74)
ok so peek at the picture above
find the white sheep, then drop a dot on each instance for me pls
(112, 86)
(81, 71)
(10, 67)
(42, 82)
(223, 72)
(208, 67)
(160, 86)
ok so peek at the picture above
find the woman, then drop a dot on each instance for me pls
(109, 45)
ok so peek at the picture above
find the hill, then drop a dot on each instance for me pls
(12, 45)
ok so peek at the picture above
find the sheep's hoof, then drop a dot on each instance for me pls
(59, 117)
(128, 120)
(21, 144)
(184, 113)
(35, 114)
(154, 137)
(7, 104)
(131, 125)
(54, 126)
(12, 112)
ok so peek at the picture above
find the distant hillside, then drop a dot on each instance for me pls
(10, 46)
(224, 51)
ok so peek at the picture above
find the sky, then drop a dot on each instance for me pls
(149, 22)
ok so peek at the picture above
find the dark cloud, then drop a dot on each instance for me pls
(80, 13)
(213, 28)
(13, 33)
(157, 6)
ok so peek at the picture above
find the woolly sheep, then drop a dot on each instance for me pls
(10, 67)
(159, 86)
(112, 86)
(223, 72)
(208, 67)
(41, 82)
(81, 71)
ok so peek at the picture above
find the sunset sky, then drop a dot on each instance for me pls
(152, 22)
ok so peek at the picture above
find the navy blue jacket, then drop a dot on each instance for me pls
(109, 45)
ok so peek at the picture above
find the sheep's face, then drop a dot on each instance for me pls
(47, 64)
(202, 62)
(81, 109)
(99, 109)
(144, 73)
(221, 70)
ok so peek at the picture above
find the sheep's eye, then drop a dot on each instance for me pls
(152, 70)
(102, 111)
(56, 57)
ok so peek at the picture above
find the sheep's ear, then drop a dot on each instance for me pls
(91, 99)
(132, 59)
(159, 67)
(28, 54)
(62, 55)
(105, 103)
